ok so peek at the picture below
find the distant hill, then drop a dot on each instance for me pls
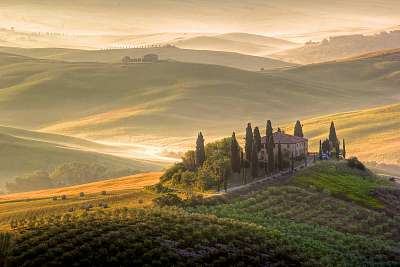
(237, 42)
(341, 47)
(174, 99)
(24, 152)
(235, 60)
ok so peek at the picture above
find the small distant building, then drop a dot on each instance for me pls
(289, 144)
(150, 58)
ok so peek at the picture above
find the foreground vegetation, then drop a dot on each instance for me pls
(298, 221)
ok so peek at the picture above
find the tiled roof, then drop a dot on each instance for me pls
(286, 139)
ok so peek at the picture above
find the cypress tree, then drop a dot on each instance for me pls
(269, 130)
(254, 162)
(337, 149)
(235, 155)
(298, 129)
(271, 155)
(332, 136)
(200, 152)
(280, 158)
(249, 142)
(344, 150)
(257, 139)
(320, 149)
(270, 147)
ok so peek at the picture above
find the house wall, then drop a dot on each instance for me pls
(298, 150)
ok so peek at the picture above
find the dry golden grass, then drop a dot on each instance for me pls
(371, 134)
(138, 181)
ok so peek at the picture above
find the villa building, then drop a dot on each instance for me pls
(289, 144)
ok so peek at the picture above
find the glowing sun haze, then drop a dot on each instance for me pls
(294, 19)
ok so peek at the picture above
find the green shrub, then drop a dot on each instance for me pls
(353, 162)
(168, 200)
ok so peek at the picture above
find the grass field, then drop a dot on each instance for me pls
(372, 135)
(228, 59)
(120, 192)
(110, 100)
(138, 181)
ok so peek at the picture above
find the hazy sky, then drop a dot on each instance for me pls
(277, 17)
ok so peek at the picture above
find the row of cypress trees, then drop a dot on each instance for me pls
(241, 161)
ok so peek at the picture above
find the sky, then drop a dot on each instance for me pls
(312, 19)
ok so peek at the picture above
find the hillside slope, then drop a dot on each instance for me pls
(325, 215)
(235, 60)
(100, 100)
(25, 153)
(250, 44)
(371, 134)
(341, 47)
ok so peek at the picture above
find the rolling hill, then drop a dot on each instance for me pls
(243, 43)
(235, 60)
(373, 135)
(174, 99)
(23, 152)
(340, 47)
(328, 214)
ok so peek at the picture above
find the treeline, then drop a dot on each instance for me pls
(65, 175)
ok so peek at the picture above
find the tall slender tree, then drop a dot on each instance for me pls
(298, 129)
(320, 149)
(254, 162)
(235, 154)
(271, 155)
(270, 146)
(200, 152)
(337, 150)
(249, 142)
(332, 135)
(344, 150)
(257, 139)
(280, 157)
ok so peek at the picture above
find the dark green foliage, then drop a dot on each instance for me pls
(249, 142)
(235, 154)
(6, 242)
(320, 150)
(332, 135)
(269, 129)
(270, 146)
(189, 160)
(65, 175)
(280, 157)
(337, 150)
(344, 150)
(353, 162)
(200, 152)
(271, 155)
(168, 200)
(170, 172)
(254, 162)
(157, 188)
(326, 146)
(298, 129)
(257, 139)
(155, 237)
